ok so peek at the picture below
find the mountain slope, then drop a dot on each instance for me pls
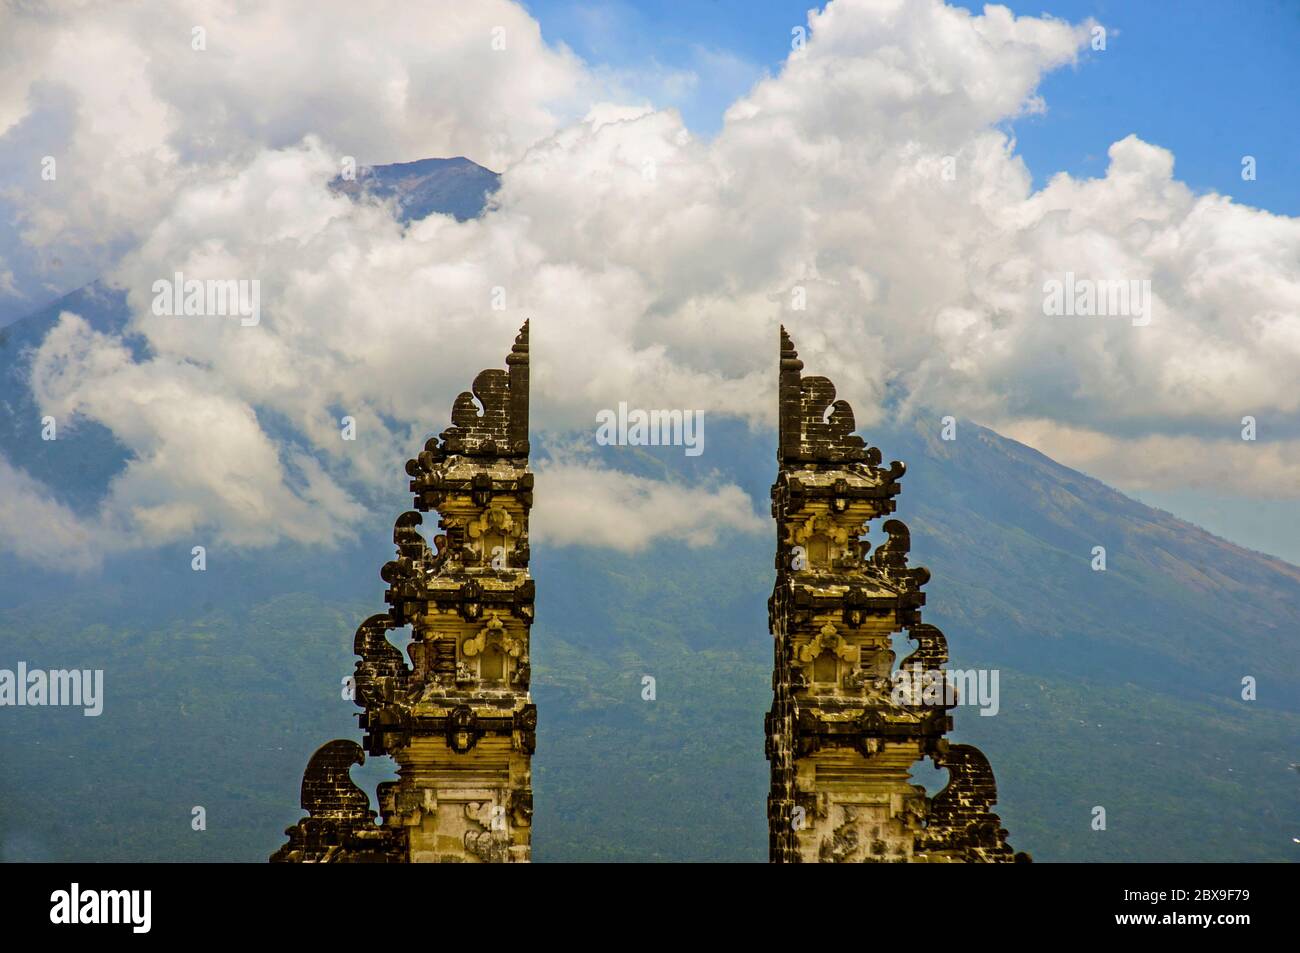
(219, 690)
(1010, 534)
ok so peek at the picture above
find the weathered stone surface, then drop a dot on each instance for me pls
(841, 746)
(458, 720)
(340, 826)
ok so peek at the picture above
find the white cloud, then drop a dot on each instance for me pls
(40, 529)
(134, 113)
(7, 285)
(1229, 466)
(586, 505)
(656, 267)
(199, 457)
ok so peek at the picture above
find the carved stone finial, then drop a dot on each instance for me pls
(814, 427)
(961, 815)
(501, 429)
(517, 361)
(931, 652)
(381, 672)
(327, 787)
(339, 826)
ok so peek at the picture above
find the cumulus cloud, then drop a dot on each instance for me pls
(1254, 470)
(135, 112)
(40, 529)
(593, 506)
(199, 456)
(865, 196)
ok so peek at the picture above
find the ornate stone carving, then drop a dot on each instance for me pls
(841, 745)
(339, 826)
(458, 721)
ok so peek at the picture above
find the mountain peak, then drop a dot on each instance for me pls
(454, 186)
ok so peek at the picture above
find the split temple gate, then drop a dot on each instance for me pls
(840, 743)
(458, 720)
(461, 726)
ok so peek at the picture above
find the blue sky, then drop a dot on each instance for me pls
(1208, 80)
